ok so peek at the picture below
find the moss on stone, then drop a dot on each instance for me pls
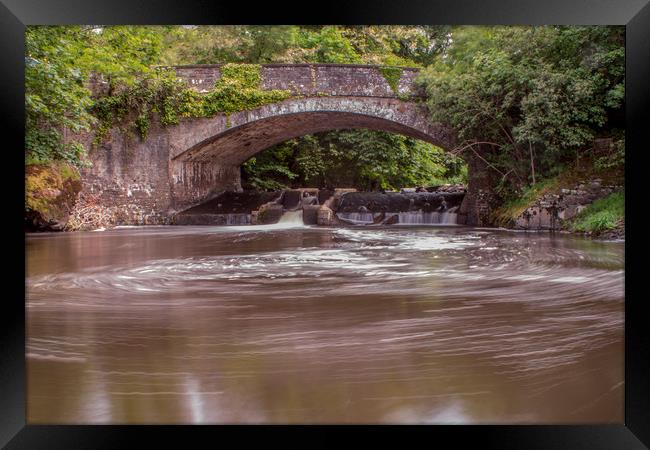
(239, 89)
(392, 75)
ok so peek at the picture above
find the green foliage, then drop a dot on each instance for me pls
(238, 89)
(61, 59)
(365, 159)
(605, 214)
(333, 47)
(228, 44)
(392, 76)
(613, 160)
(545, 91)
(58, 64)
(540, 91)
(381, 45)
(160, 93)
(396, 45)
(157, 92)
(267, 174)
(515, 206)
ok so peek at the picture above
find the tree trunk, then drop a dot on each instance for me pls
(532, 161)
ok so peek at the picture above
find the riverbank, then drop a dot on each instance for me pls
(583, 201)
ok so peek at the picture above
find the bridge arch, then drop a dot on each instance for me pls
(242, 135)
(206, 154)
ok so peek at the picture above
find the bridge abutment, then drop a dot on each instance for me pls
(479, 201)
(195, 182)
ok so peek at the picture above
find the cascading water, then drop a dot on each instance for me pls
(291, 219)
(357, 217)
(238, 219)
(448, 217)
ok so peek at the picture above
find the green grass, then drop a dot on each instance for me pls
(602, 215)
(515, 207)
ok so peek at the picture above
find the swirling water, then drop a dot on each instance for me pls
(257, 324)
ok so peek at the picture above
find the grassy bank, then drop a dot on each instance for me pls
(513, 207)
(602, 215)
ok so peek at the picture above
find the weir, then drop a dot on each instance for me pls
(309, 206)
(420, 217)
(405, 208)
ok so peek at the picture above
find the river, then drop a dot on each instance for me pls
(266, 324)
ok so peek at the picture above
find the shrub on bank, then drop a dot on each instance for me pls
(50, 195)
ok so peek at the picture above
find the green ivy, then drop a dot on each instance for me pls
(238, 89)
(142, 124)
(392, 75)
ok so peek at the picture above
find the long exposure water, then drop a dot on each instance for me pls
(254, 324)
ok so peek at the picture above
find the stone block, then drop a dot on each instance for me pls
(269, 214)
(310, 214)
(325, 216)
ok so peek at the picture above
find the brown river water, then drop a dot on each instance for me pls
(264, 324)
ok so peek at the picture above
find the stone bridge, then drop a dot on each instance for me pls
(179, 166)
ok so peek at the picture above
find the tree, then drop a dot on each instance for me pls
(364, 159)
(58, 64)
(535, 95)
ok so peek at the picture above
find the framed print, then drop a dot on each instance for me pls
(372, 215)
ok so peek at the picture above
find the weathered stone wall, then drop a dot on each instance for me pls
(346, 80)
(129, 177)
(196, 182)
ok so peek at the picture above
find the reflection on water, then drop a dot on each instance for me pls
(320, 325)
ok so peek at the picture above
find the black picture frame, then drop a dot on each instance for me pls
(16, 14)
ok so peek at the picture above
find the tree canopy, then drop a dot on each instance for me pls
(538, 96)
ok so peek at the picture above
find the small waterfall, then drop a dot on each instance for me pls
(238, 219)
(448, 217)
(291, 218)
(357, 217)
(418, 218)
